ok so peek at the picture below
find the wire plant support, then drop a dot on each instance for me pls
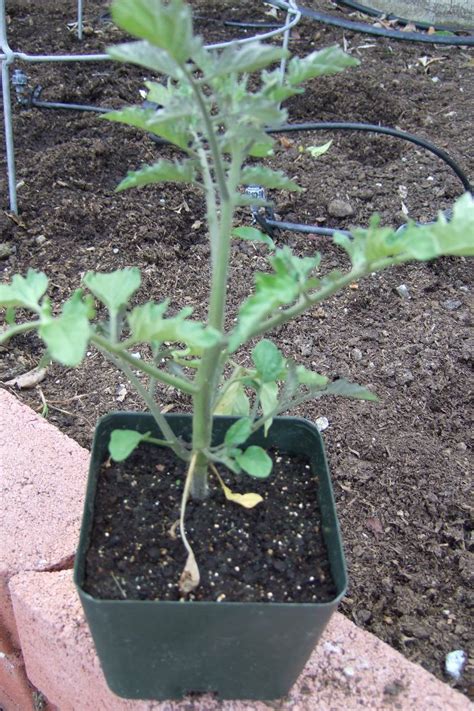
(8, 57)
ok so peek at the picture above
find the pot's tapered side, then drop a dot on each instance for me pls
(163, 650)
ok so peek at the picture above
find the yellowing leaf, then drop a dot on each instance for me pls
(248, 501)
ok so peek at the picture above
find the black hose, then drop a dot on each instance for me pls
(269, 225)
(373, 128)
(389, 16)
(382, 32)
(38, 104)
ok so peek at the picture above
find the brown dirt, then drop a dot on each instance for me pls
(401, 467)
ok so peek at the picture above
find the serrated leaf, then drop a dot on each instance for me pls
(455, 237)
(166, 124)
(123, 442)
(344, 388)
(268, 360)
(68, 335)
(268, 178)
(310, 378)
(160, 172)
(329, 60)
(292, 277)
(247, 58)
(268, 400)
(114, 289)
(158, 93)
(239, 432)
(233, 402)
(148, 325)
(168, 26)
(253, 235)
(255, 461)
(24, 291)
(145, 55)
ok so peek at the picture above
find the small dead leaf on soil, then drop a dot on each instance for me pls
(28, 380)
(375, 526)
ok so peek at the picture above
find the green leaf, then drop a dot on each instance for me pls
(158, 93)
(268, 178)
(145, 55)
(123, 442)
(247, 58)
(148, 325)
(310, 378)
(268, 360)
(316, 151)
(24, 291)
(345, 389)
(455, 237)
(114, 289)
(255, 461)
(239, 432)
(160, 172)
(233, 402)
(268, 400)
(173, 127)
(329, 60)
(68, 335)
(168, 26)
(253, 235)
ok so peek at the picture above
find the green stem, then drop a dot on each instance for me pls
(8, 333)
(210, 134)
(160, 419)
(185, 386)
(211, 363)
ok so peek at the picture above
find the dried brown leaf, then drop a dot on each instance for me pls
(29, 379)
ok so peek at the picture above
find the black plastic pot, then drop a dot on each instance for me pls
(163, 650)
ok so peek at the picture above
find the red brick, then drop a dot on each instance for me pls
(42, 484)
(16, 693)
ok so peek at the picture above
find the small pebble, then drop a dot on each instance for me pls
(340, 208)
(455, 663)
(322, 423)
(403, 291)
(356, 354)
(451, 304)
(40, 239)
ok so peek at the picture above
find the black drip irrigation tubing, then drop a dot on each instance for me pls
(390, 17)
(382, 32)
(269, 225)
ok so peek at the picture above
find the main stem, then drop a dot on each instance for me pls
(209, 369)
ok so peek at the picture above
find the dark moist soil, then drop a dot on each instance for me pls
(274, 552)
(401, 467)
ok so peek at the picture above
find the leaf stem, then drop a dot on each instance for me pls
(179, 383)
(172, 440)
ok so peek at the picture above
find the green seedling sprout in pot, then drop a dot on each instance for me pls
(217, 120)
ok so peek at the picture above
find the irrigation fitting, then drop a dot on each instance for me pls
(19, 82)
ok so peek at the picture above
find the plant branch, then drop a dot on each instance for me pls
(118, 350)
(9, 332)
(323, 293)
(149, 401)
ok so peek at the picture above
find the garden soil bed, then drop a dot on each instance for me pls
(400, 467)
